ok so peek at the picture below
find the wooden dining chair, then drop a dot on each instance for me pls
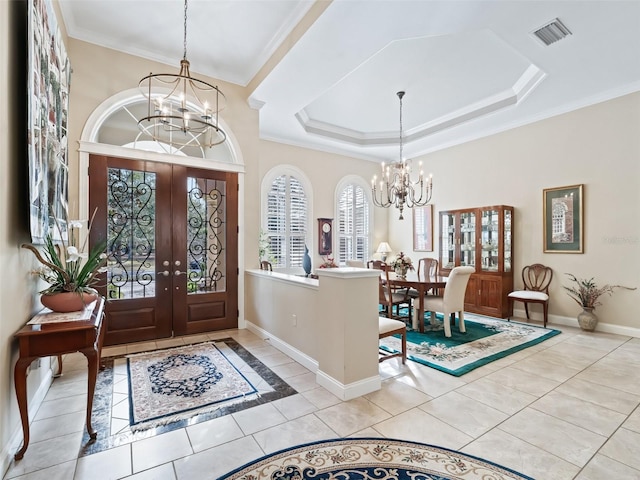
(389, 299)
(265, 265)
(536, 279)
(377, 264)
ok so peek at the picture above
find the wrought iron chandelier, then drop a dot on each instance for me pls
(396, 187)
(182, 110)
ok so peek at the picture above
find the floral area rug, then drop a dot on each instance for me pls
(369, 458)
(487, 339)
(169, 385)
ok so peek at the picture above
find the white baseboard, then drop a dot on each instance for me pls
(300, 357)
(16, 438)
(351, 390)
(573, 322)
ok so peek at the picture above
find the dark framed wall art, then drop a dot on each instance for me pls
(563, 219)
(49, 77)
(423, 229)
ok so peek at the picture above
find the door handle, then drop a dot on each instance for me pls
(177, 273)
(165, 273)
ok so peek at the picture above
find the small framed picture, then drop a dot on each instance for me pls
(563, 219)
(423, 229)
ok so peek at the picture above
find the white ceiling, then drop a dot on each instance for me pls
(469, 68)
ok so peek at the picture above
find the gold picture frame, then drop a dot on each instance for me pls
(423, 229)
(563, 219)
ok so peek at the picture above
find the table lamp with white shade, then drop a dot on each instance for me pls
(384, 249)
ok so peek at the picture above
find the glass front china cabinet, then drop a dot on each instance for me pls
(481, 238)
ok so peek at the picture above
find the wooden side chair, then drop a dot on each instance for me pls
(390, 299)
(377, 264)
(388, 327)
(536, 279)
(265, 265)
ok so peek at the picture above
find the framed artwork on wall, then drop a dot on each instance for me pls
(423, 229)
(325, 232)
(49, 76)
(563, 219)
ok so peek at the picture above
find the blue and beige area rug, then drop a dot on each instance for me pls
(487, 339)
(169, 385)
(368, 459)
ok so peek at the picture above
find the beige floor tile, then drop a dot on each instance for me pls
(633, 422)
(304, 382)
(574, 356)
(321, 397)
(170, 342)
(418, 426)
(428, 380)
(163, 472)
(624, 447)
(217, 461)
(524, 380)
(258, 418)
(114, 351)
(396, 397)
(58, 426)
(369, 432)
(214, 432)
(301, 430)
(154, 451)
(541, 366)
(112, 464)
(563, 439)
(519, 455)
(141, 347)
(607, 397)
(598, 340)
(275, 359)
(348, 417)
(294, 406)
(601, 467)
(62, 406)
(465, 414)
(611, 373)
(289, 370)
(69, 389)
(262, 350)
(503, 398)
(63, 471)
(584, 414)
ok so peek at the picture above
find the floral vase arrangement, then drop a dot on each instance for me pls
(402, 264)
(70, 272)
(586, 294)
(328, 263)
(264, 247)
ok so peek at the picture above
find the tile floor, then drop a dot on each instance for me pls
(564, 409)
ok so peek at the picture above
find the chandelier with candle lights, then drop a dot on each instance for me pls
(182, 110)
(395, 186)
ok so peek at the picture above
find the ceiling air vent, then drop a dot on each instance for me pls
(552, 32)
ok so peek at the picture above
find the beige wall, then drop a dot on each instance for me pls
(599, 147)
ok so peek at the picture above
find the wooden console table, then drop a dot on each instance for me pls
(51, 334)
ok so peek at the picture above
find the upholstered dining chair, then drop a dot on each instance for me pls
(388, 327)
(265, 265)
(389, 299)
(452, 301)
(356, 263)
(536, 279)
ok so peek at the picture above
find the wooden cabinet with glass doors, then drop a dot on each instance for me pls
(481, 238)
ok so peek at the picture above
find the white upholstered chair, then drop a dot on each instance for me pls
(388, 327)
(356, 263)
(536, 279)
(452, 300)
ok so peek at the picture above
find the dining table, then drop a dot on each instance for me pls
(422, 284)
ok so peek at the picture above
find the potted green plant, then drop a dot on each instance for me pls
(586, 293)
(70, 272)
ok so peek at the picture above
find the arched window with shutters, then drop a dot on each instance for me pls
(286, 194)
(354, 220)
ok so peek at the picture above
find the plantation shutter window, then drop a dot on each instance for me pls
(353, 224)
(287, 221)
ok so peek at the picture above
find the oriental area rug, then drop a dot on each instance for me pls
(487, 339)
(169, 385)
(369, 458)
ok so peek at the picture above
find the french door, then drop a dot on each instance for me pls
(172, 244)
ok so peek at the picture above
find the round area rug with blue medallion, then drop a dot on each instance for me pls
(371, 459)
